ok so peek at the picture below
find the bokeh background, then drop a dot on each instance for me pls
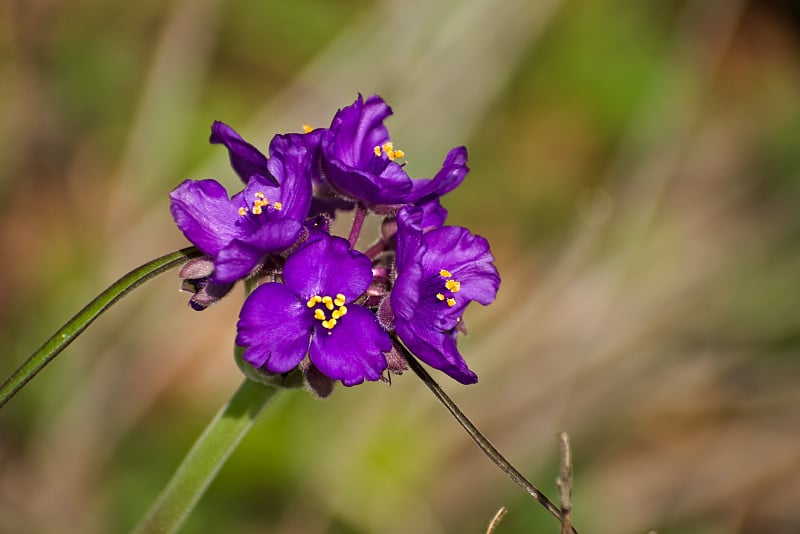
(635, 165)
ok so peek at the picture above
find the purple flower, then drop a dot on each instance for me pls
(439, 272)
(361, 161)
(238, 232)
(313, 313)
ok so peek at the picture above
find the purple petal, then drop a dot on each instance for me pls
(275, 328)
(452, 173)
(468, 257)
(246, 159)
(325, 265)
(433, 213)
(204, 214)
(358, 128)
(409, 236)
(437, 349)
(292, 162)
(352, 350)
(238, 259)
(390, 185)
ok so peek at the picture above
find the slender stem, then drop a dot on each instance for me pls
(205, 459)
(358, 222)
(73, 328)
(564, 483)
(488, 449)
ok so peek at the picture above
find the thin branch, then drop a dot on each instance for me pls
(496, 519)
(564, 483)
(488, 449)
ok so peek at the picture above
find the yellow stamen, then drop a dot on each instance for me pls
(445, 273)
(339, 300)
(243, 211)
(439, 296)
(399, 153)
(453, 286)
(313, 300)
(257, 209)
(329, 324)
(307, 128)
(259, 195)
(388, 146)
(377, 150)
(451, 302)
(342, 311)
(328, 302)
(277, 205)
(319, 314)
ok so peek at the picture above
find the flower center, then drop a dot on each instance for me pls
(259, 204)
(324, 304)
(388, 149)
(451, 288)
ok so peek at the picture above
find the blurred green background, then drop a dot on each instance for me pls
(635, 165)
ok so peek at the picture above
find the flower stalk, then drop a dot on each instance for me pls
(75, 326)
(483, 443)
(206, 458)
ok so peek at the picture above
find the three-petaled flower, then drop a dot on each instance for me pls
(361, 161)
(439, 272)
(314, 312)
(238, 232)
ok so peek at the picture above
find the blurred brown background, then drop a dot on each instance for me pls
(635, 165)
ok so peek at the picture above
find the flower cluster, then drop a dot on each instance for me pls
(322, 308)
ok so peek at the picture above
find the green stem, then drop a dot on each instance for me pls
(483, 443)
(207, 456)
(73, 328)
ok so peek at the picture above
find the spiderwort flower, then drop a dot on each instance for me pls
(313, 312)
(439, 272)
(361, 161)
(238, 232)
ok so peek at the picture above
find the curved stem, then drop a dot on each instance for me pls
(488, 449)
(73, 328)
(206, 457)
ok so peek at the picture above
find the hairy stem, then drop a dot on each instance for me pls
(358, 222)
(75, 326)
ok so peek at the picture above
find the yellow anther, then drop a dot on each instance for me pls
(453, 286)
(451, 302)
(339, 300)
(259, 195)
(342, 311)
(243, 211)
(329, 324)
(313, 300)
(277, 205)
(257, 209)
(319, 314)
(388, 146)
(445, 273)
(377, 150)
(328, 302)
(439, 296)
(399, 153)
(307, 128)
